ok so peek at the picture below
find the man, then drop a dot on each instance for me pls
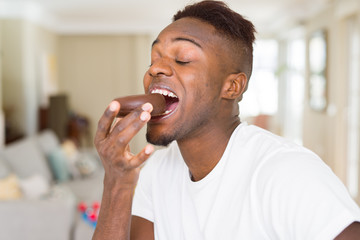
(219, 178)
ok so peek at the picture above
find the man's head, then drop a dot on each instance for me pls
(202, 63)
(231, 25)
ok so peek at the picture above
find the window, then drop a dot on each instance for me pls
(294, 86)
(353, 119)
(261, 96)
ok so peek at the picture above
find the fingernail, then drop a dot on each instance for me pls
(149, 149)
(145, 116)
(113, 106)
(147, 107)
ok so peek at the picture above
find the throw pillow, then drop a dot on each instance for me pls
(47, 141)
(9, 188)
(58, 165)
(34, 187)
(26, 159)
(72, 154)
(4, 168)
(86, 164)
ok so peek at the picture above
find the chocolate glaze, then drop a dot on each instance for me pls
(129, 103)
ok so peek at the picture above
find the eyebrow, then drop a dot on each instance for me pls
(180, 39)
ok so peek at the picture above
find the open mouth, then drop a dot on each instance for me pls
(171, 101)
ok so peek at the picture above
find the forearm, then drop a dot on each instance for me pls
(122, 169)
(115, 214)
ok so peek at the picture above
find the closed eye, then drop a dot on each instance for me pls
(182, 62)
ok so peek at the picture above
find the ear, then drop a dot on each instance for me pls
(234, 86)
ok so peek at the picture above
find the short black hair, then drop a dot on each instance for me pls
(230, 24)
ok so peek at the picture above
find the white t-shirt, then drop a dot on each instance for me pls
(264, 187)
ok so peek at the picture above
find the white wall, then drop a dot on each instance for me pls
(326, 132)
(13, 85)
(93, 70)
(23, 45)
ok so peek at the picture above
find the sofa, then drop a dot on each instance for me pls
(42, 183)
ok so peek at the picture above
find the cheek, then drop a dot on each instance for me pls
(202, 93)
(146, 81)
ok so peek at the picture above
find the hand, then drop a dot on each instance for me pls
(112, 143)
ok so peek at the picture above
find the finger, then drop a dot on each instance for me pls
(134, 116)
(142, 156)
(114, 124)
(129, 126)
(106, 121)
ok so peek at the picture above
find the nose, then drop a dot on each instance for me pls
(160, 67)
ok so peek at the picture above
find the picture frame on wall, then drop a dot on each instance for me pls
(318, 55)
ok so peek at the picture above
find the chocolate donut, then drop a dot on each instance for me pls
(129, 103)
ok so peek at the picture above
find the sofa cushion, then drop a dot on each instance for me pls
(87, 189)
(36, 220)
(60, 192)
(26, 159)
(34, 187)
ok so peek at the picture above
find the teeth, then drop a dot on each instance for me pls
(166, 112)
(164, 92)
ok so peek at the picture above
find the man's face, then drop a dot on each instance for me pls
(186, 65)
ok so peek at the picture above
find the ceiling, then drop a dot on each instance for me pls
(144, 16)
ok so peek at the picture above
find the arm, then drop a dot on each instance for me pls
(121, 171)
(352, 232)
(141, 229)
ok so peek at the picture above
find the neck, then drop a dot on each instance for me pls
(204, 149)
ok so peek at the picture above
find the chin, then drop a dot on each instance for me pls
(159, 140)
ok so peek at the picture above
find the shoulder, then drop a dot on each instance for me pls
(291, 169)
(295, 192)
(286, 166)
(293, 183)
(259, 146)
(260, 138)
